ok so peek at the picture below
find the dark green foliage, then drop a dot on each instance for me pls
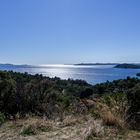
(25, 93)
(39, 95)
(2, 118)
(65, 100)
(86, 93)
(30, 130)
(7, 93)
(126, 90)
(133, 96)
(117, 86)
(110, 98)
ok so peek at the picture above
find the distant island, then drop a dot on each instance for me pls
(89, 64)
(17, 66)
(21, 66)
(128, 66)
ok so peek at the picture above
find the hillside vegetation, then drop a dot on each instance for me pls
(34, 105)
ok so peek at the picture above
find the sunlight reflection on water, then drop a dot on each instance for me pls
(92, 74)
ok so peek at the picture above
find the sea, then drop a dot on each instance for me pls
(93, 74)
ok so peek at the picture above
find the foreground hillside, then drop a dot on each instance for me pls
(71, 128)
(40, 108)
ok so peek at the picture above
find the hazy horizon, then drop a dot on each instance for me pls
(68, 64)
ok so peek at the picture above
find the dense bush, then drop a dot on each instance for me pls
(133, 96)
(125, 95)
(52, 97)
(117, 86)
(2, 118)
(25, 93)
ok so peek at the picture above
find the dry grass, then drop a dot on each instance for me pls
(71, 121)
(108, 123)
(112, 118)
(36, 127)
(96, 131)
(72, 128)
(112, 110)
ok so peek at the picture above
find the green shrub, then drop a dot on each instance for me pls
(110, 99)
(95, 112)
(90, 137)
(2, 118)
(29, 130)
(65, 100)
(133, 96)
(43, 128)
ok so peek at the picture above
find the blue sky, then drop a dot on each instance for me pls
(69, 31)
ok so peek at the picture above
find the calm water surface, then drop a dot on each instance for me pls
(92, 74)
